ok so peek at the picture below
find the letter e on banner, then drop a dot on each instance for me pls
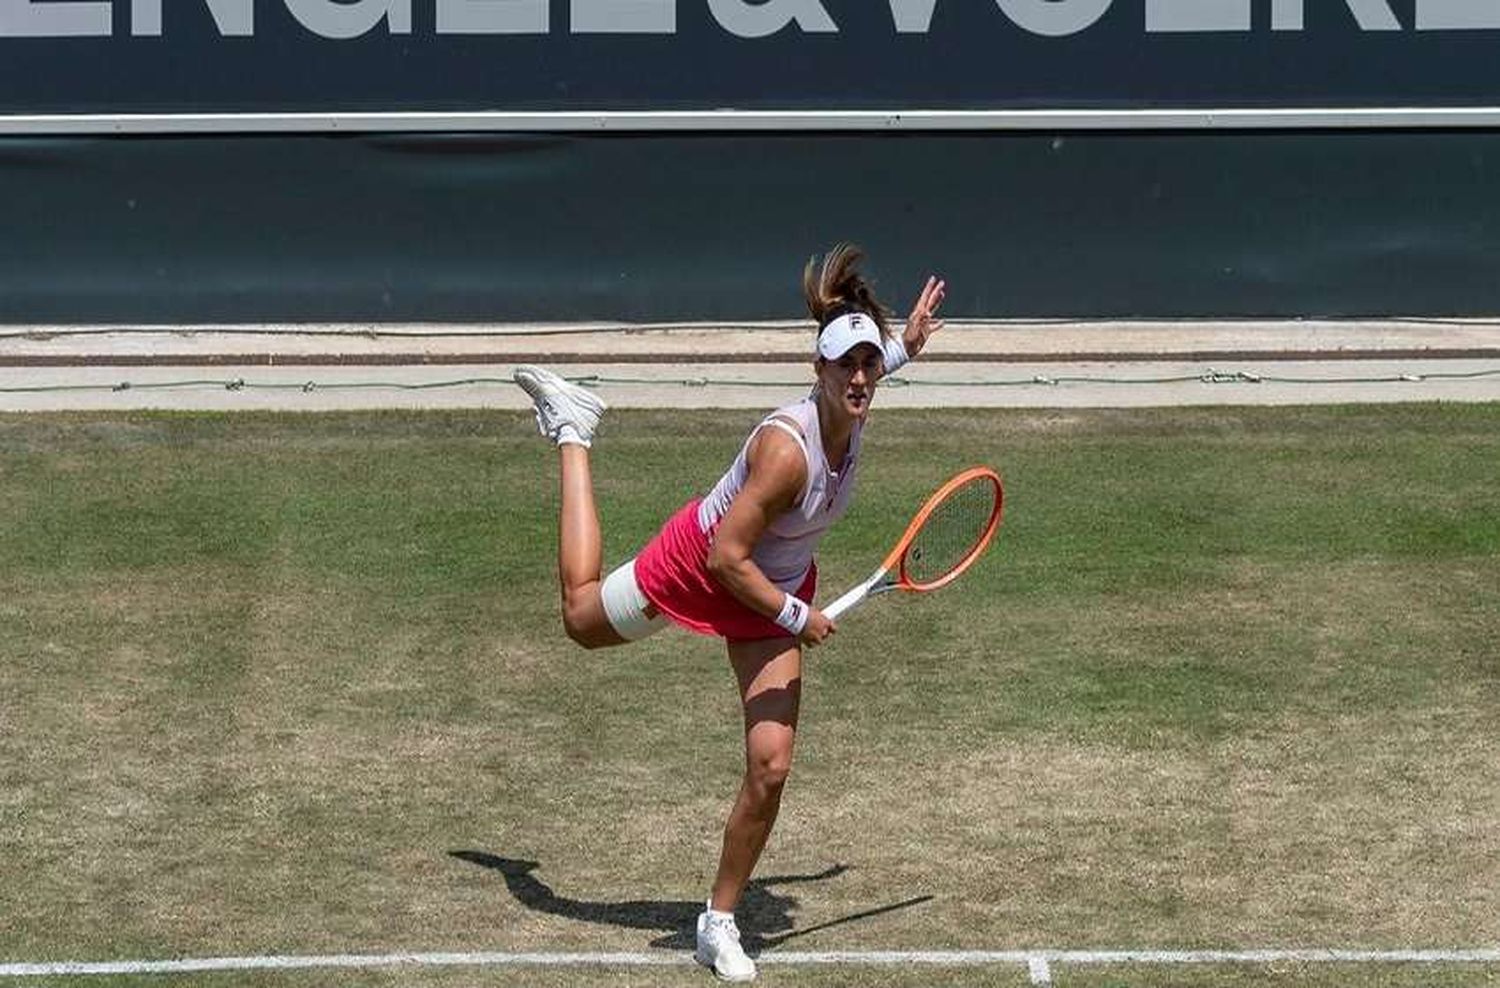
(624, 17)
(36, 19)
(1167, 16)
(492, 17)
(1458, 15)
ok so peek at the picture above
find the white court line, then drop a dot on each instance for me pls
(1037, 962)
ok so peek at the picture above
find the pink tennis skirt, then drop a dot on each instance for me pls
(672, 571)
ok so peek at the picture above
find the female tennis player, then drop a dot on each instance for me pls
(738, 562)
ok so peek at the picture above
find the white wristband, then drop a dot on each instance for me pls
(793, 616)
(893, 349)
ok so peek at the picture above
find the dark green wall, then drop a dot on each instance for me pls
(639, 227)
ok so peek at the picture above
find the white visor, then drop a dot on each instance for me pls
(847, 332)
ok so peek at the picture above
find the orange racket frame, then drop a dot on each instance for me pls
(892, 574)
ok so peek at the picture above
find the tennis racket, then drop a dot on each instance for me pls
(952, 529)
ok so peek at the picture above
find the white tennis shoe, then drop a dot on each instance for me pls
(565, 412)
(719, 948)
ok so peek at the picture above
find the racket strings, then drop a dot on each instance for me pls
(953, 532)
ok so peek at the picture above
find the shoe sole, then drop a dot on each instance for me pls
(722, 977)
(535, 380)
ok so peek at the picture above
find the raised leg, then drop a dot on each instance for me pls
(580, 554)
(568, 414)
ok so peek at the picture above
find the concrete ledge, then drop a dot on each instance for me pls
(757, 386)
(963, 341)
(971, 363)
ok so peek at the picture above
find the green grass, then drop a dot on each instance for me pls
(1228, 679)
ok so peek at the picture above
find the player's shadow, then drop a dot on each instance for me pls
(764, 915)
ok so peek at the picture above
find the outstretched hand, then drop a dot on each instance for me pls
(921, 324)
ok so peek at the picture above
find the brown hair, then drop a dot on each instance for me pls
(837, 286)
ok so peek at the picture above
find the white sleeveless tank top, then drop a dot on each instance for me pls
(785, 551)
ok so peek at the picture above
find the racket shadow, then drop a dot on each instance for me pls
(764, 913)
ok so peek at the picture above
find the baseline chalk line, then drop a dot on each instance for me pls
(1038, 963)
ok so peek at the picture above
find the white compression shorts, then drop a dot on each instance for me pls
(625, 605)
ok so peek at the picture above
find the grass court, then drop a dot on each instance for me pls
(282, 684)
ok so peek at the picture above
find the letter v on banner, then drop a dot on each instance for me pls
(1458, 15)
(912, 16)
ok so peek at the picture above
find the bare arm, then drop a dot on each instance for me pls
(778, 473)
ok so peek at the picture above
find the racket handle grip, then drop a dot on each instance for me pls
(836, 609)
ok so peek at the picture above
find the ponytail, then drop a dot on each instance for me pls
(837, 286)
